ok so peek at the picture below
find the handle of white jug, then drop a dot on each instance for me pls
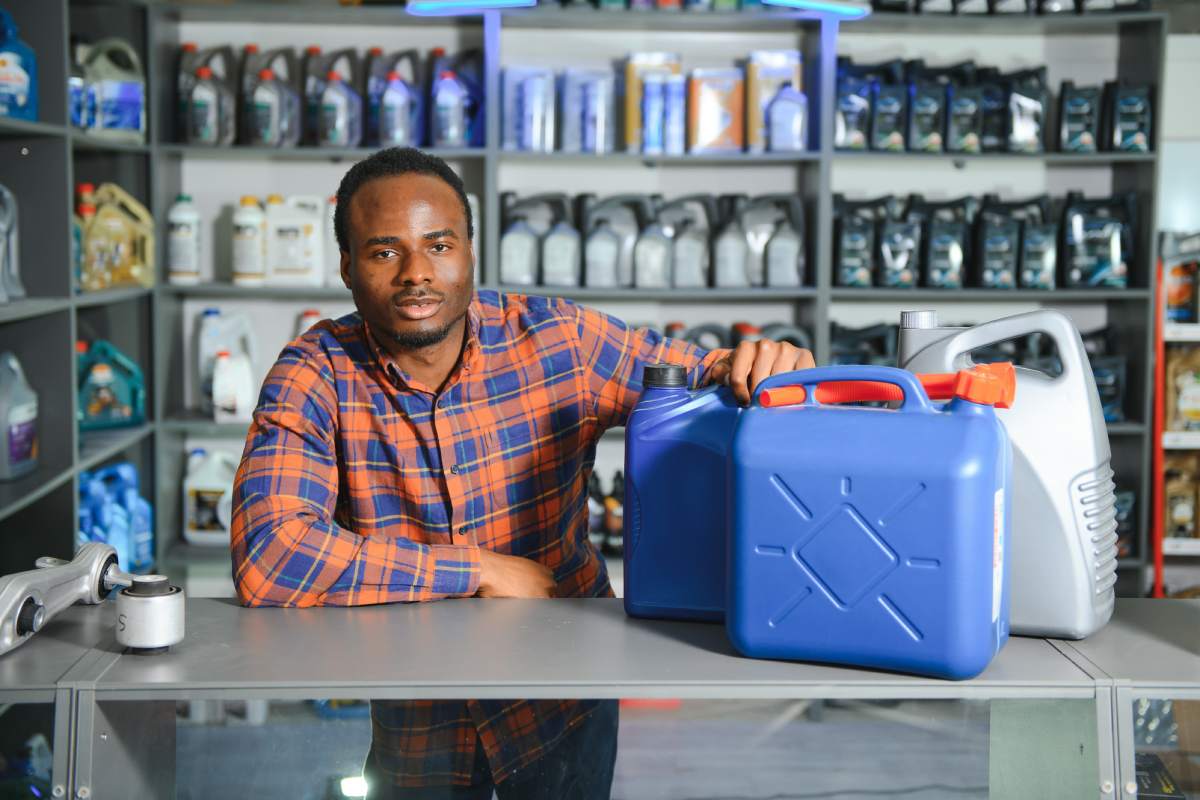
(915, 399)
(1055, 324)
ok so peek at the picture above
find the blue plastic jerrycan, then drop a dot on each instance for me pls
(676, 484)
(873, 537)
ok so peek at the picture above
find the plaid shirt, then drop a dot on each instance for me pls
(360, 485)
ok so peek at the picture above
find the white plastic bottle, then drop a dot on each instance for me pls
(183, 241)
(232, 387)
(295, 241)
(396, 113)
(333, 252)
(208, 479)
(308, 318)
(217, 332)
(249, 243)
(341, 114)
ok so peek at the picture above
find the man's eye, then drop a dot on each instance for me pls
(385, 254)
(441, 247)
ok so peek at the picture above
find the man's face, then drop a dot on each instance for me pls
(410, 264)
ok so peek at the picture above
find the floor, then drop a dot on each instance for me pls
(697, 750)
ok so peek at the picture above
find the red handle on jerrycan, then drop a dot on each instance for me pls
(987, 384)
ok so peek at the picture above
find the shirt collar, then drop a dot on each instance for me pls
(470, 359)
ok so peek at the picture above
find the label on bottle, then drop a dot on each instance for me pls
(14, 82)
(183, 248)
(249, 263)
(121, 104)
(202, 509)
(22, 433)
(518, 260)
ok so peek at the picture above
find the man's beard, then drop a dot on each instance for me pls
(418, 340)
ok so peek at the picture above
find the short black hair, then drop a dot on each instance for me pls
(386, 164)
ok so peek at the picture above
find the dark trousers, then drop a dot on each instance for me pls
(579, 767)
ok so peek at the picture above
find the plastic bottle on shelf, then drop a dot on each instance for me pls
(122, 234)
(85, 212)
(112, 390)
(103, 519)
(217, 332)
(121, 482)
(295, 240)
(207, 480)
(396, 113)
(232, 387)
(115, 71)
(449, 111)
(18, 420)
(341, 113)
(183, 241)
(249, 243)
(308, 318)
(210, 111)
(266, 111)
(18, 73)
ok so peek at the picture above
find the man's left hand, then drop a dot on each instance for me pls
(744, 368)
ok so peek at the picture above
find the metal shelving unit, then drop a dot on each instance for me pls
(154, 173)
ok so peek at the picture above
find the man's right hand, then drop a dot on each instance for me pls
(512, 576)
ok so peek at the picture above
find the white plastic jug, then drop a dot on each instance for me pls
(295, 240)
(183, 241)
(232, 387)
(1064, 527)
(209, 479)
(217, 331)
(249, 243)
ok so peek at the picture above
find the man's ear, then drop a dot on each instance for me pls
(345, 268)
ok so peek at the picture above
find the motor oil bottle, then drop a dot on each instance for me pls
(1064, 521)
(761, 221)
(210, 111)
(249, 243)
(601, 256)
(672, 432)
(785, 256)
(314, 70)
(108, 520)
(295, 240)
(121, 482)
(232, 387)
(208, 478)
(308, 318)
(652, 257)
(112, 391)
(18, 73)
(623, 215)
(183, 241)
(270, 106)
(519, 254)
(11, 287)
(395, 113)
(787, 121)
(114, 70)
(449, 111)
(690, 265)
(562, 251)
(407, 67)
(121, 236)
(731, 252)
(341, 113)
(216, 332)
(18, 420)
(219, 60)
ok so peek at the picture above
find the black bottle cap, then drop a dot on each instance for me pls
(664, 376)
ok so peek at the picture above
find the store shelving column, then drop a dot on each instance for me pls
(36, 512)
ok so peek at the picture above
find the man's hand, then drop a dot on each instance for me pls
(750, 362)
(512, 576)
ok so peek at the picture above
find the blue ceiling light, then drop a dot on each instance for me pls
(453, 8)
(846, 9)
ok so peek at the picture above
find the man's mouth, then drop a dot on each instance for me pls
(417, 307)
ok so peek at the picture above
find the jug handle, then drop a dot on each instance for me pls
(915, 399)
(1055, 324)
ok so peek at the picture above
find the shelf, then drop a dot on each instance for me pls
(1051, 159)
(26, 490)
(1130, 563)
(1181, 332)
(260, 292)
(273, 12)
(18, 127)
(723, 22)
(245, 152)
(1126, 429)
(96, 447)
(32, 307)
(81, 141)
(661, 295)
(991, 295)
(191, 423)
(110, 296)
(699, 160)
(1181, 547)
(1000, 24)
(1181, 440)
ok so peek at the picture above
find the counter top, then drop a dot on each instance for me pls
(475, 648)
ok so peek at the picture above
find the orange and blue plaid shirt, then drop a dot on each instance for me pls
(360, 485)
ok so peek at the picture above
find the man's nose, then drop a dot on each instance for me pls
(414, 268)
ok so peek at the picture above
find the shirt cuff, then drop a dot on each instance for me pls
(454, 570)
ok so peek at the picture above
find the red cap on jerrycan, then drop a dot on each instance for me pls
(986, 384)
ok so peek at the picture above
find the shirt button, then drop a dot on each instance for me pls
(462, 531)
(454, 470)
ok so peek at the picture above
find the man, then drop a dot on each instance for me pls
(438, 444)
